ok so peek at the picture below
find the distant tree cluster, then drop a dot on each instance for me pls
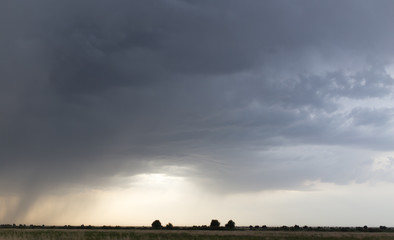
(214, 225)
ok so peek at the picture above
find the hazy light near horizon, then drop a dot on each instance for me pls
(185, 207)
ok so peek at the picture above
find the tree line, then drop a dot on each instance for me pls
(214, 225)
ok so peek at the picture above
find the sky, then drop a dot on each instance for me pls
(264, 112)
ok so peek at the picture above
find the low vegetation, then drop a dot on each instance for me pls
(99, 234)
(214, 231)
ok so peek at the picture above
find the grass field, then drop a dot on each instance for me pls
(46, 234)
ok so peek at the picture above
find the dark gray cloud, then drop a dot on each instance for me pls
(94, 89)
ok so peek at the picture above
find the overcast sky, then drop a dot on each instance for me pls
(264, 112)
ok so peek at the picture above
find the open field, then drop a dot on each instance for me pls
(56, 234)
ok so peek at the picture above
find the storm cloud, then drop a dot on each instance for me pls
(245, 95)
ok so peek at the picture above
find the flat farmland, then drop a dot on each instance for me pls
(63, 234)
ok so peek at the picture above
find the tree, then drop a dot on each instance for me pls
(156, 224)
(169, 226)
(214, 224)
(230, 224)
